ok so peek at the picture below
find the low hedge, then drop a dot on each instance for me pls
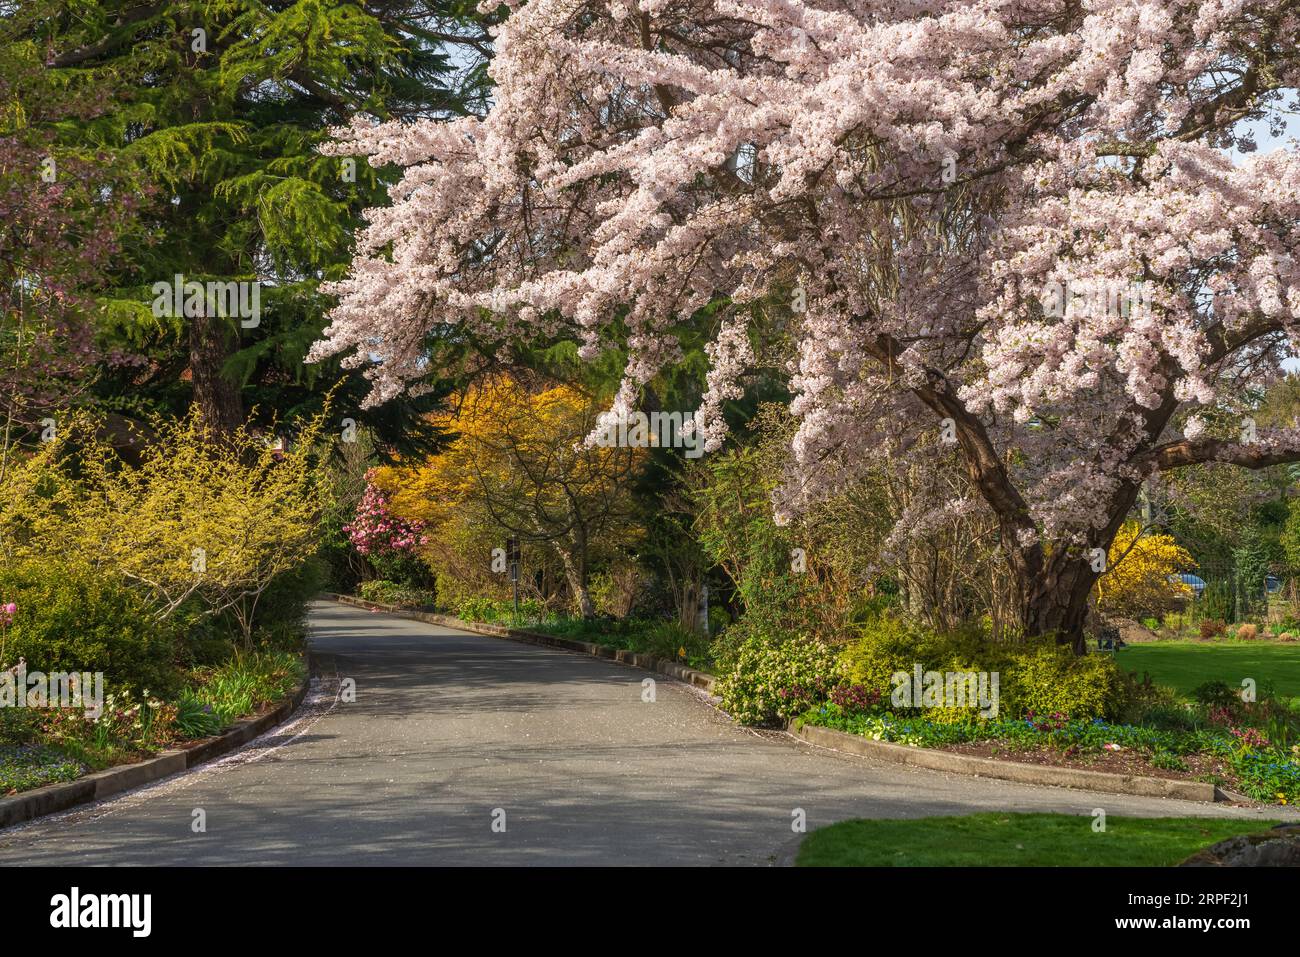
(395, 593)
(70, 617)
(1035, 675)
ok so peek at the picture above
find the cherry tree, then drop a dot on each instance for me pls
(1014, 226)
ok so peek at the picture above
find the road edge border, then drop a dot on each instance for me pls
(1073, 778)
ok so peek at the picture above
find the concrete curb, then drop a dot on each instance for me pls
(700, 679)
(101, 784)
(1009, 770)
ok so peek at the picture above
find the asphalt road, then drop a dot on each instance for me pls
(453, 735)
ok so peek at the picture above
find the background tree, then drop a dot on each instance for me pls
(217, 109)
(519, 461)
(63, 215)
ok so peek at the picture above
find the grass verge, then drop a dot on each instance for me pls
(1185, 665)
(1017, 840)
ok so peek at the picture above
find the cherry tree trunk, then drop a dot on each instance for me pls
(1055, 602)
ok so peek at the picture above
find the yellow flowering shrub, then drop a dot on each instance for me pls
(216, 519)
(1141, 580)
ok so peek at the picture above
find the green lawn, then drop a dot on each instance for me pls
(1012, 840)
(1185, 664)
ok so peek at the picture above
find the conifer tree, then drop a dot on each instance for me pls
(217, 109)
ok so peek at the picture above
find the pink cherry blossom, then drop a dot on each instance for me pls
(897, 184)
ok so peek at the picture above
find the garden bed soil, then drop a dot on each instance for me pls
(1200, 767)
(1134, 632)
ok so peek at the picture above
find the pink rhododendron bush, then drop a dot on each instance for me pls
(375, 530)
(390, 544)
(1029, 234)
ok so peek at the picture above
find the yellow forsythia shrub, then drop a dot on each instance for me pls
(1141, 575)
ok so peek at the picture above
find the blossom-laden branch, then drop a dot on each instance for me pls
(917, 176)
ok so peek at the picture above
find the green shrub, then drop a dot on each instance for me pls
(395, 593)
(1216, 694)
(483, 609)
(196, 718)
(19, 726)
(1216, 601)
(285, 600)
(1044, 677)
(208, 641)
(1175, 717)
(887, 645)
(765, 683)
(401, 567)
(72, 618)
(532, 614)
(1155, 706)
(1035, 675)
(667, 639)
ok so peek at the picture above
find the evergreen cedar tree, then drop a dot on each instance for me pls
(214, 111)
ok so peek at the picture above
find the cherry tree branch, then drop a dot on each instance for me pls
(983, 463)
(1252, 455)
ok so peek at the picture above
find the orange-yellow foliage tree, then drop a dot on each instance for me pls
(519, 465)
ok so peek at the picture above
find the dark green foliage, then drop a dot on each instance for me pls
(1216, 601)
(196, 718)
(401, 567)
(71, 618)
(18, 725)
(220, 130)
(284, 603)
(1252, 563)
(1216, 694)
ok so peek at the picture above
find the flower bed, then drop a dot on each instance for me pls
(40, 746)
(24, 766)
(1240, 758)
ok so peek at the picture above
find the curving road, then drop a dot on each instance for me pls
(449, 730)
